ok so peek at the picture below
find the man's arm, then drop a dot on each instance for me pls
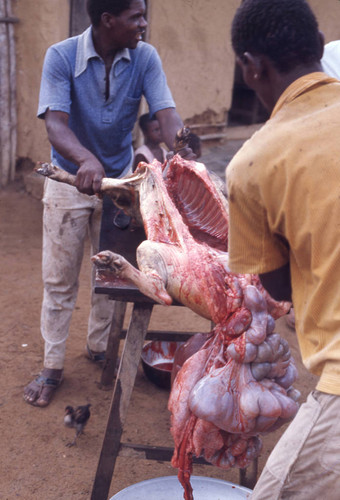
(170, 123)
(278, 283)
(91, 171)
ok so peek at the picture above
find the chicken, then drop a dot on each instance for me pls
(77, 419)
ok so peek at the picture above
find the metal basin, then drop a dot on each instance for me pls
(169, 488)
(157, 361)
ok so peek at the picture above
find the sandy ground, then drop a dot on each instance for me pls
(35, 462)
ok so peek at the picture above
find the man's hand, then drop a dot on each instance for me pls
(181, 144)
(185, 153)
(89, 176)
(278, 283)
(91, 171)
(170, 122)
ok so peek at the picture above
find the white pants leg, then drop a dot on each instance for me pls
(68, 216)
(305, 463)
(101, 307)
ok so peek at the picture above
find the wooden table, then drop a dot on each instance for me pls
(125, 243)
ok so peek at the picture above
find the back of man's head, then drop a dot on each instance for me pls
(286, 31)
(95, 8)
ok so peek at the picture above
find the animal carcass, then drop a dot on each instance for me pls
(239, 383)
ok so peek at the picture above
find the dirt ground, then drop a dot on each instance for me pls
(35, 462)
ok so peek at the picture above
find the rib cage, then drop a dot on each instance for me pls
(199, 204)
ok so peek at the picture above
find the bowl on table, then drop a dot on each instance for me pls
(169, 488)
(157, 361)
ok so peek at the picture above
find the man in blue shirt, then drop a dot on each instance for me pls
(91, 89)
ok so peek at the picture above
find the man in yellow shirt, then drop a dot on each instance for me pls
(284, 201)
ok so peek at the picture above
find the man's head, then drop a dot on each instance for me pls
(285, 31)
(121, 22)
(275, 42)
(96, 8)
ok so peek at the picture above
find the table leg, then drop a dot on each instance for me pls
(122, 391)
(248, 476)
(111, 354)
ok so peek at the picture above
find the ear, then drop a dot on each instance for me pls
(255, 66)
(252, 68)
(107, 20)
(322, 42)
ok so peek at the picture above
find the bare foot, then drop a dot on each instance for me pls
(41, 390)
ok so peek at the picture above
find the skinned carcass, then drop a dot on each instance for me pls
(239, 383)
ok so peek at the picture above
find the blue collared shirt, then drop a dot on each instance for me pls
(73, 81)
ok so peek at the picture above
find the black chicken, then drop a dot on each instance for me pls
(76, 418)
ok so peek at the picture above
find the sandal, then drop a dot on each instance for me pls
(41, 390)
(96, 357)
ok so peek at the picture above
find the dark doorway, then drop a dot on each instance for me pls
(246, 109)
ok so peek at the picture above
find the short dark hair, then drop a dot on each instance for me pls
(95, 8)
(145, 119)
(286, 31)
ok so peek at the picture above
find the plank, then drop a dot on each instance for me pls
(111, 355)
(122, 391)
(146, 452)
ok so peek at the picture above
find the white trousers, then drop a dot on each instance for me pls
(305, 463)
(68, 217)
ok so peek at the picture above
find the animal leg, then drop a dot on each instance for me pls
(55, 173)
(149, 282)
(74, 442)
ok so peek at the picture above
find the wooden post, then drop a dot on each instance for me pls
(111, 355)
(121, 397)
(8, 121)
(248, 476)
(79, 20)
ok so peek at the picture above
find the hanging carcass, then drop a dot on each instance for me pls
(239, 383)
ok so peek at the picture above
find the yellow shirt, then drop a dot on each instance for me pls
(284, 202)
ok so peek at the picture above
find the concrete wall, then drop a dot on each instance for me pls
(328, 15)
(193, 39)
(41, 23)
